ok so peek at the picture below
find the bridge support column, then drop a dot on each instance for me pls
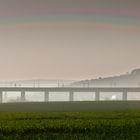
(23, 98)
(46, 96)
(71, 96)
(124, 96)
(1, 96)
(97, 96)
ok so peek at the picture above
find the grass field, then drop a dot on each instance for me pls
(109, 125)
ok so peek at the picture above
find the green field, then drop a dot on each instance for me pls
(118, 125)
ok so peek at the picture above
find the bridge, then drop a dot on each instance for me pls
(71, 91)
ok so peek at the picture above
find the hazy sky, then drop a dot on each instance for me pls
(68, 39)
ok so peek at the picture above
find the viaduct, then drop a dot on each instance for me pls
(71, 91)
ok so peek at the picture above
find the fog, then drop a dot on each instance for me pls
(68, 39)
(126, 80)
(71, 40)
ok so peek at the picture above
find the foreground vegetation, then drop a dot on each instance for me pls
(120, 125)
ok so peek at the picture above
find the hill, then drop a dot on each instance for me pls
(129, 79)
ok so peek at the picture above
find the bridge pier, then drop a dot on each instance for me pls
(1, 96)
(23, 98)
(124, 96)
(46, 96)
(71, 96)
(97, 96)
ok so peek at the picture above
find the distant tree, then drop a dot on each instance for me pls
(107, 99)
(18, 99)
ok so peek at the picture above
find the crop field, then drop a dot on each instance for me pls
(109, 125)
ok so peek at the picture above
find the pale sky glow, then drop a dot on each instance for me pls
(61, 39)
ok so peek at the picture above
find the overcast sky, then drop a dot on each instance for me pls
(68, 39)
